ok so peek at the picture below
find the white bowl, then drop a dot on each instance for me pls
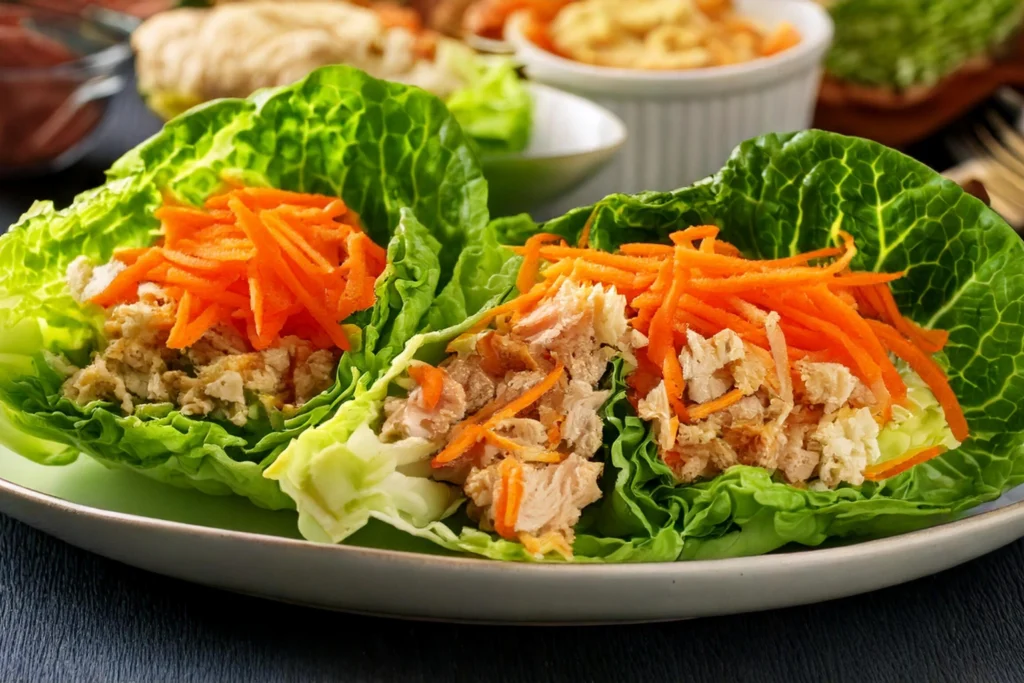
(572, 140)
(488, 45)
(684, 124)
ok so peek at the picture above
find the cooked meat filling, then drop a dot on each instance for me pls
(554, 439)
(823, 431)
(218, 376)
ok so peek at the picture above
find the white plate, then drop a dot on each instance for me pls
(572, 140)
(228, 544)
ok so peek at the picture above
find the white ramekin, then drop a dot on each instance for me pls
(682, 125)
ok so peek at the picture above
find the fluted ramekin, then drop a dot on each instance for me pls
(682, 125)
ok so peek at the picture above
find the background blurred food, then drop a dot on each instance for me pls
(895, 52)
(188, 55)
(644, 34)
(48, 102)
(659, 34)
(191, 55)
(136, 8)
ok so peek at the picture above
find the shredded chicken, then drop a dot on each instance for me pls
(583, 428)
(233, 50)
(705, 364)
(86, 281)
(827, 384)
(583, 328)
(524, 431)
(822, 430)
(477, 384)
(849, 443)
(553, 495)
(655, 408)
(216, 376)
(412, 417)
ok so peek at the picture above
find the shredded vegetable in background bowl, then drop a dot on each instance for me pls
(192, 55)
(178, 320)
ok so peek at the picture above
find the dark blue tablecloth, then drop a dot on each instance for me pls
(68, 615)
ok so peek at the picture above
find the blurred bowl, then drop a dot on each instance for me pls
(683, 125)
(58, 72)
(572, 140)
(488, 45)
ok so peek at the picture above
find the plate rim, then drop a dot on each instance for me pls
(807, 558)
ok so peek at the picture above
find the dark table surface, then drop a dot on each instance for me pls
(68, 615)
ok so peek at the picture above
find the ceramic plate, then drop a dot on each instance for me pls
(227, 543)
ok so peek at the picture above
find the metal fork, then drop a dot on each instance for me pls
(991, 151)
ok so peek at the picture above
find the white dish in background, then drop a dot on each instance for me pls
(684, 124)
(572, 139)
(227, 543)
(488, 45)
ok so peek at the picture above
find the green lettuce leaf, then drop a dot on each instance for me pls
(494, 108)
(341, 476)
(393, 153)
(906, 43)
(783, 194)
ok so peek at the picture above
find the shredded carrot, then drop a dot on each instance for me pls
(929, 341)
(549, 542)
(502, 442)
(806, 306)
(660, 336)
(687, 237)
(831, 305)
(663, 250)
(864, 279)
(584, 241)
(475, 432)
(549, 457)
(699, 412)
(518, 304)
(675, 386)
(865, 366)
(529, 397)
(431, 381)
(129, 256)
(531, 261)
(198, 327)
(490, 361)
(181, 320)
(125, 285)
(627, 263)
(607, 274)
(272, 262)
(890, 468)
(509, 499)
(555, 433)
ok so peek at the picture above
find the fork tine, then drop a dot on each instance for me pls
(1011, 167)
(1004, 195)
(1010, 137)
(1011, 97)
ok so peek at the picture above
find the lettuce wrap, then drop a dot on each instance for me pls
(421, 454)
(392, 153)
